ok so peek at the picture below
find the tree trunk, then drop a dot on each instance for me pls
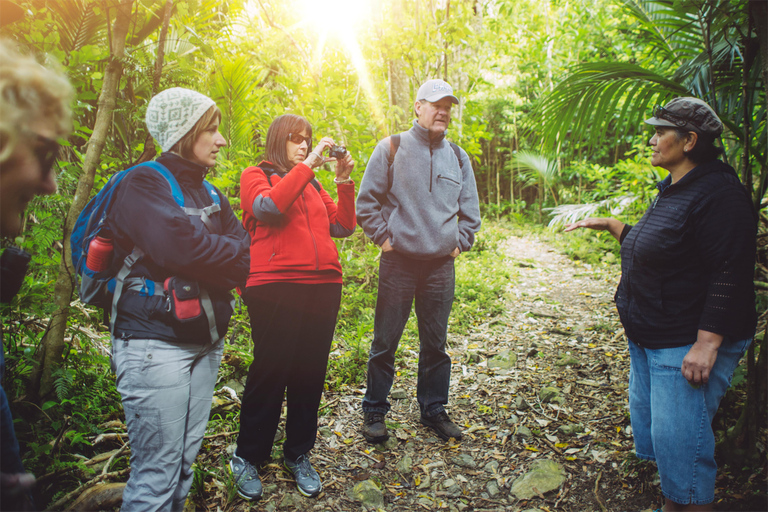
(52, 345)
(445, 47)
(497, 167)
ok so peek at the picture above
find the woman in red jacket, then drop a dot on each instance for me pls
(293, 294)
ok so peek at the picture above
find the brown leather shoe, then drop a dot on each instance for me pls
(374, 428)
(442, 426)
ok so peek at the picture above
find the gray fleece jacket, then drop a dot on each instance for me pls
(426, 203)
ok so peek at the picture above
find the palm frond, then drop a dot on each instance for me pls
(236, 88)
(565, 214)
(584, 106)
(77, 23)
(670, 32)
(535, 167)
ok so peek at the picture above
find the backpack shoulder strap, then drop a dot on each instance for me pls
(178, 196)
(457, 152)
(169, 177)
(394, 144)
(212, 192)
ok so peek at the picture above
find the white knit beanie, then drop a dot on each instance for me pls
(172, 113)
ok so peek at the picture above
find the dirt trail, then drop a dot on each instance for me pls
(560, 332)
(556, 309)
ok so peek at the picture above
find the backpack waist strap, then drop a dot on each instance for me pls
(153, 288)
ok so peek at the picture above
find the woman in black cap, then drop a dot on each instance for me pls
(686, 299)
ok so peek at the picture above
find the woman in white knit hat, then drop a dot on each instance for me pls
(173, 310)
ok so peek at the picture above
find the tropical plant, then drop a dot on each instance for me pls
(703, 48)
(539, 169)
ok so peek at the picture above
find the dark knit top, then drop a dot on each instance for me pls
(688, 264)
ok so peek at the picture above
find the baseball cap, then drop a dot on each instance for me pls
(688, 114)
(435, 90)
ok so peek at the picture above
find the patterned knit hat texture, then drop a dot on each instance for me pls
(172, 113)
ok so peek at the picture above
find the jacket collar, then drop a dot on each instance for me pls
(422, 135)
(697, 172)
(183, 170)
(266, 165)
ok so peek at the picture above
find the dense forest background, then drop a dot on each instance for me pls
(553, 95)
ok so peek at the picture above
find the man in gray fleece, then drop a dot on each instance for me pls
(418, 202)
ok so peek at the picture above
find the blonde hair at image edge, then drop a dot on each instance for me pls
(30, 91)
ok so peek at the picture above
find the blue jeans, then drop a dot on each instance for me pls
(166, 390)
(431, 283)
(672, 420)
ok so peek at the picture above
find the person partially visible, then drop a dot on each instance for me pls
(686, 300)
(167, 343)
(417, 201)
(34, 113)
(293, 296)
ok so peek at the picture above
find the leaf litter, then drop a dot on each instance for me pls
(545, 382)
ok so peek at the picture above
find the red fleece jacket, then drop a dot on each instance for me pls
(292, 224)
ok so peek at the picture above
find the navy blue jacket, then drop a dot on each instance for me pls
(688, 264)
(176, 244)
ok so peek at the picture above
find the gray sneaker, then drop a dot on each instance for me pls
(307, 479)
(247, 478)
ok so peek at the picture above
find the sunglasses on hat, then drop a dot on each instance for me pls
(695, 118)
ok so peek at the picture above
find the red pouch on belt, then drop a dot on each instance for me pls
(183, 298)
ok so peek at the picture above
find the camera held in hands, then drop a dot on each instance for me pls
(337, 152)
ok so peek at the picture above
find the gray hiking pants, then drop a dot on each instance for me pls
(167, 390)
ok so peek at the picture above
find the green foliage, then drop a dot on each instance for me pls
(593, 247)
(687, 48)
(623, 190)
(595, 65)
(480, 281)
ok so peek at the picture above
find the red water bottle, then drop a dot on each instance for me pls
(99, 254)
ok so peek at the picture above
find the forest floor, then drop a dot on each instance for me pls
(545, 381)
(560, 331)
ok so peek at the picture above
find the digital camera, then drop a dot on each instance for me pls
(337, 152)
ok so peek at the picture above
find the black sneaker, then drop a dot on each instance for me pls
(374, 428)
(307, 479)
(442, 426)
(247, 478)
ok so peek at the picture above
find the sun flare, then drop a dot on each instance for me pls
(342, 20)
(337, 17)
(329, 21)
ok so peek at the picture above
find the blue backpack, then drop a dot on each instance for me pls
(103, 289)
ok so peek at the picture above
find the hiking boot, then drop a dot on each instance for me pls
(307, 479)
(247, 478)
(374, 428)
(442, 426)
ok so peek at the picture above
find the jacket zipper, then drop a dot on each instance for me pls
(311, 234)
(430, 168)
